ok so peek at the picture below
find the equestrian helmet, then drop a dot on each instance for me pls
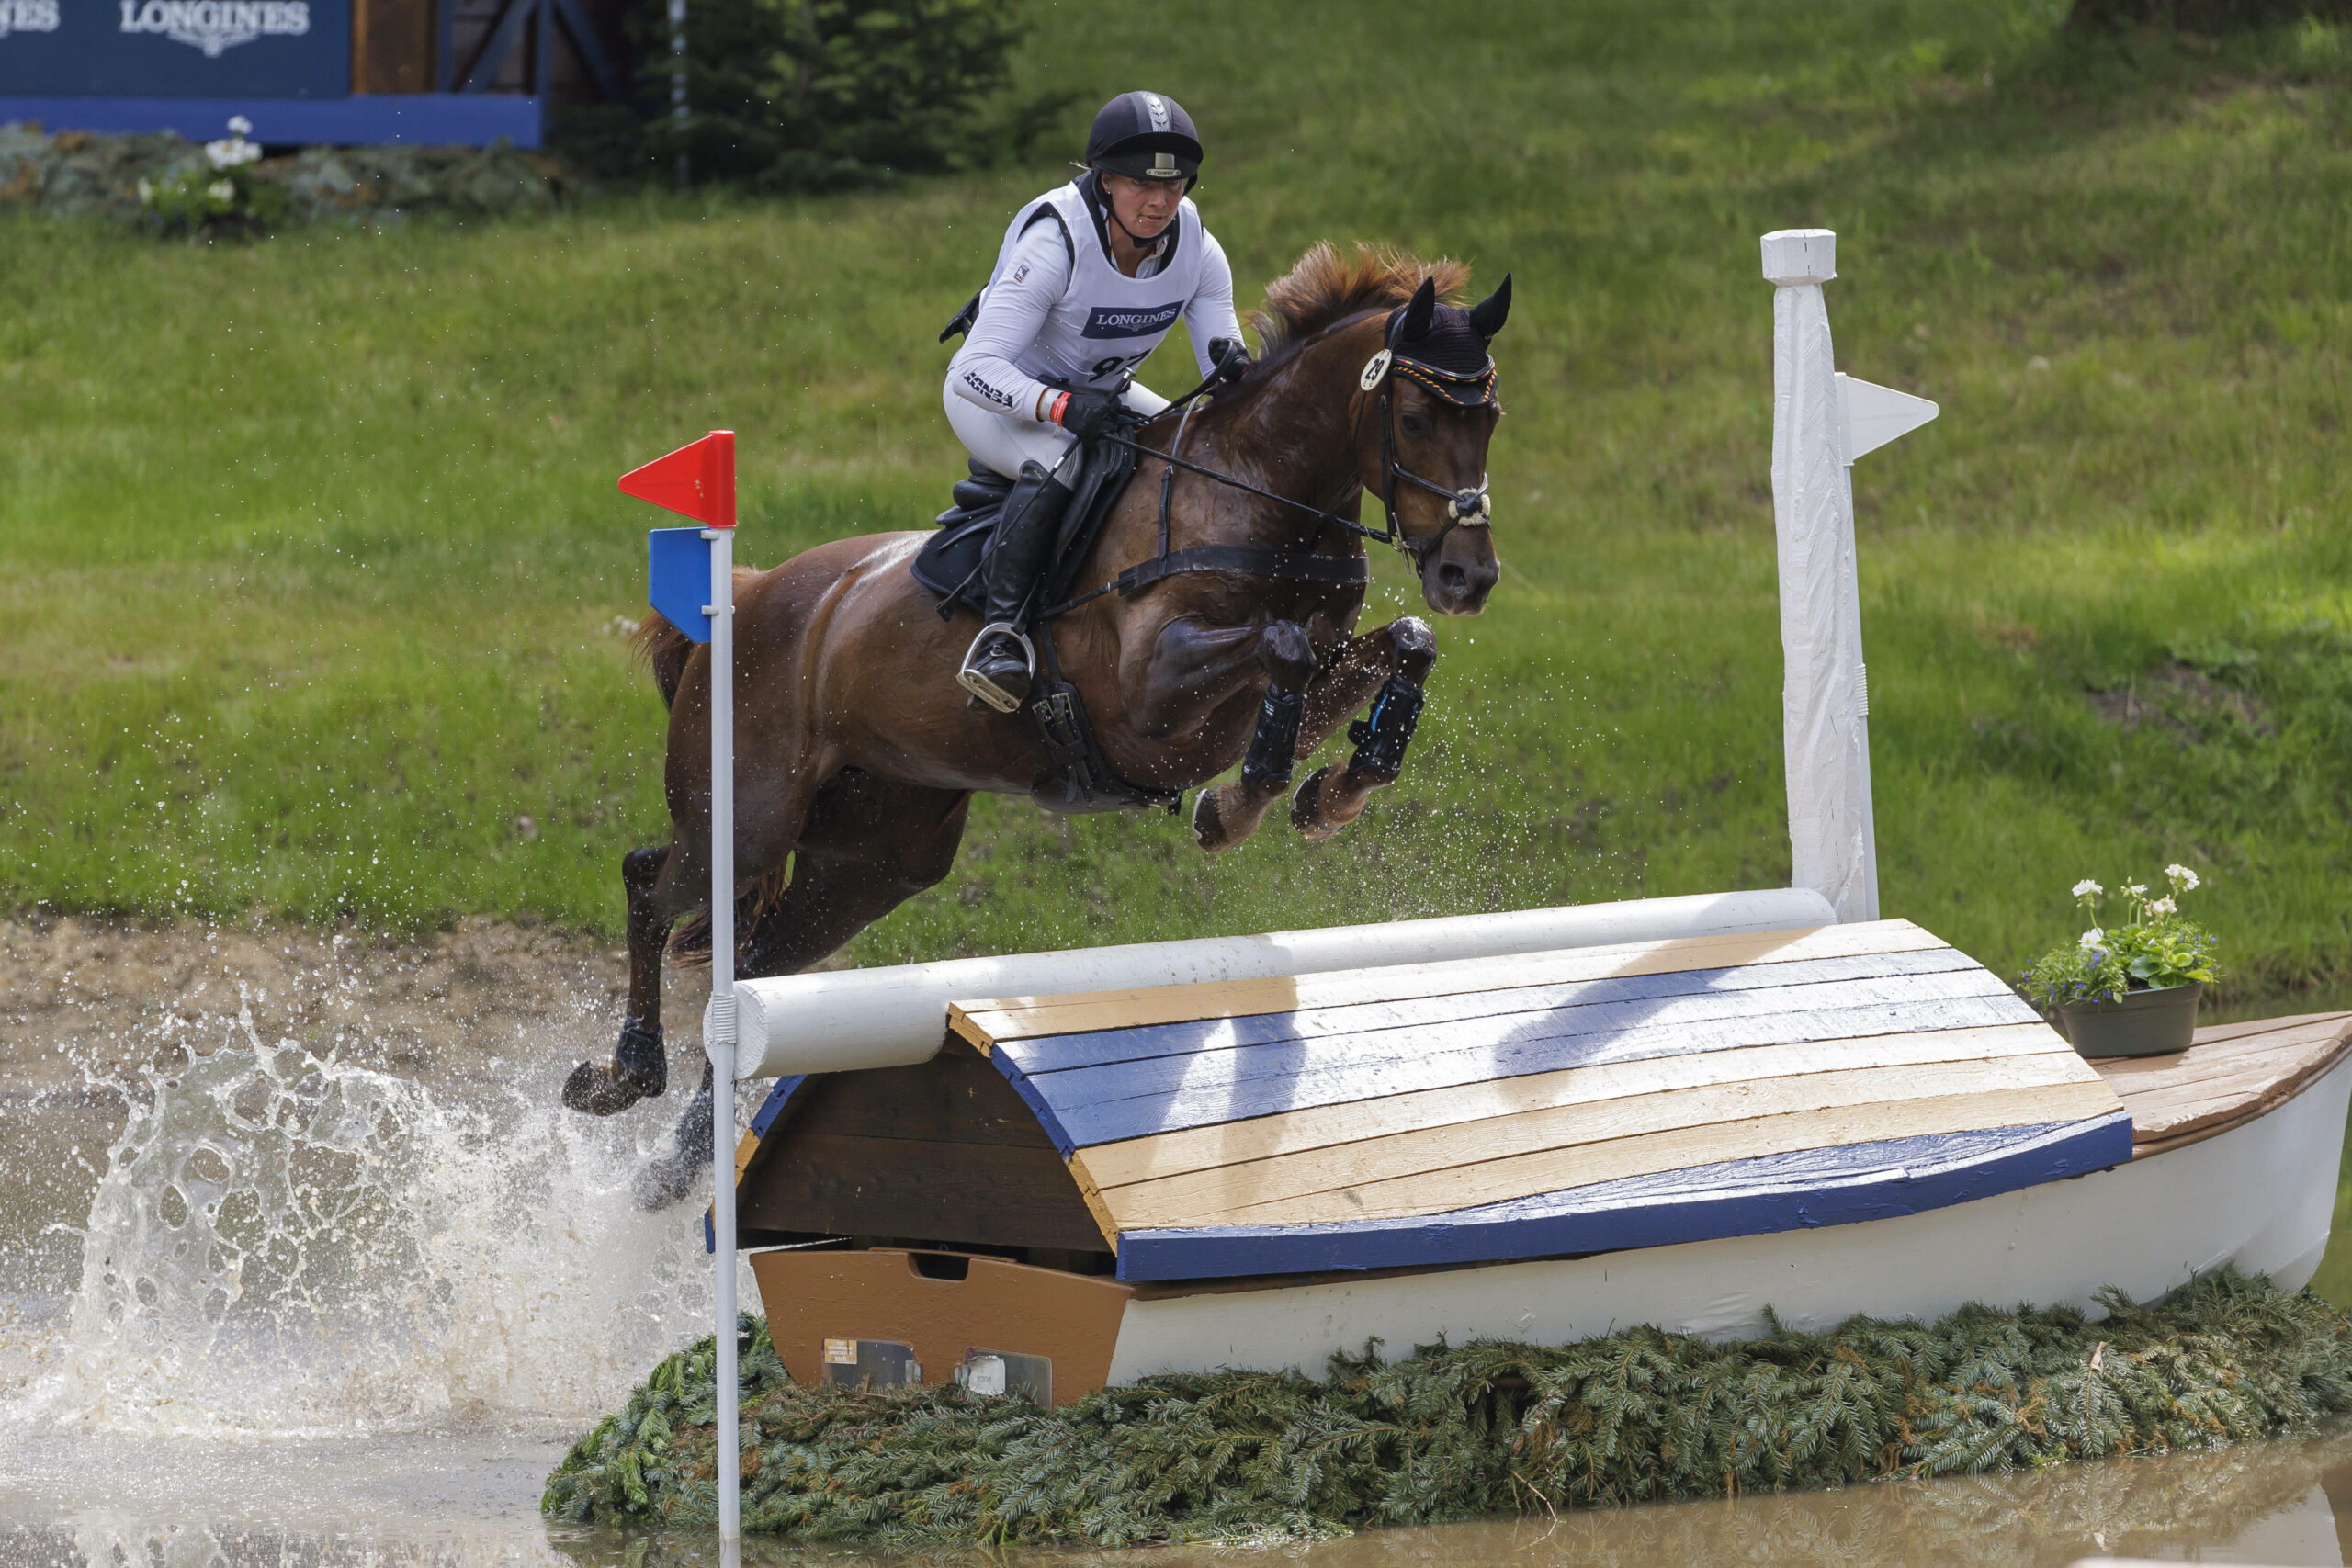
(1145, 136)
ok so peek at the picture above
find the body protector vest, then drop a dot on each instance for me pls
(1105, 322)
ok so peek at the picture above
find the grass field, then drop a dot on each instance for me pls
(313, 561)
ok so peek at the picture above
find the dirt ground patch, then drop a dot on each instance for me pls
(87, 1004)
(488, 998)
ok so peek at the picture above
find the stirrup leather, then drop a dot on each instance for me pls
(980, 685)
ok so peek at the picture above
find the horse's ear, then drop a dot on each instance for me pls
(1418, 313)
(1487, 316)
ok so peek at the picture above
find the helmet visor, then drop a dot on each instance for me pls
(1160, 157)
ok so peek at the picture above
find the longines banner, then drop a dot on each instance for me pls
(176, 49)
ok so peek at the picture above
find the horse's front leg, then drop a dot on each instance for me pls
(1388, 669)
(639, 1068)
(1224, 816)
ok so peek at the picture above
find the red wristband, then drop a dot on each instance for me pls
(1054, 415)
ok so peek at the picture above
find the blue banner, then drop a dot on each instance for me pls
(177, 49)
(680, 572)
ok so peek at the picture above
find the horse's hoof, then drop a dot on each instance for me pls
(593, 1088)
(1303, 810)
(667, 1179)
(679, 1171)
(1208, 831)
(640, 1070)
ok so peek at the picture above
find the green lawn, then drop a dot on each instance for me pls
(311, 554)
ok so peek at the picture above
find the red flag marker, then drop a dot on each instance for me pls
(697, 479)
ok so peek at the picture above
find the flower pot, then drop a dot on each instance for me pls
(2144, 1023)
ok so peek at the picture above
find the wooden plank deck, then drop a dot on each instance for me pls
(1638, 1094)
(2231, 1074)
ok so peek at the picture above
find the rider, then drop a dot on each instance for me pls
(1091, 277)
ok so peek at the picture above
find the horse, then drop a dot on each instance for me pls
(857, 754)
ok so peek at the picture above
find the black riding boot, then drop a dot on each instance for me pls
(1001, 665)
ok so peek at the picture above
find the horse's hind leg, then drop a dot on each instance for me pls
(870, 845)
(1224, 816)
(639, 1068)
(1393, 663)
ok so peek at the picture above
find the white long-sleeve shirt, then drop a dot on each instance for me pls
(1057, 311)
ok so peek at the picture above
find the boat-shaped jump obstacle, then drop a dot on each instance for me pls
(1088, 1188)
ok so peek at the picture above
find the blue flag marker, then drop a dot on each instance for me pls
(680, 574)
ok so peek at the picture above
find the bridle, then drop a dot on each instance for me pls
(1472, 508)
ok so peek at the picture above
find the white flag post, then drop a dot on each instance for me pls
(718, 1023)
(1821, 422)
(698, 598)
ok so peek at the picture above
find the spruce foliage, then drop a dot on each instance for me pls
(1452, 1432)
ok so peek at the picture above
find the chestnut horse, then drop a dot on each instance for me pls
(857, 753)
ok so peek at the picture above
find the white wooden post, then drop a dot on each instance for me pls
(1821, 422)
(718, 1024)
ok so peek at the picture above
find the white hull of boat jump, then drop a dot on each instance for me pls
(2259, 1195)
(844, 1020)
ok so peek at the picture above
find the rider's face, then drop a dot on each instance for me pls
(1143, 205)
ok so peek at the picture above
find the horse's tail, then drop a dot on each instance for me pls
(666, 648)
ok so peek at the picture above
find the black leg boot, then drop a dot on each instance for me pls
(1000, 665)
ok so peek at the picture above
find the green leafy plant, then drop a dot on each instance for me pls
(2153, 947)
(224, 193)
(831, 95)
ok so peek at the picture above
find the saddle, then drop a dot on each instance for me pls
(952, 567)
(950, 564)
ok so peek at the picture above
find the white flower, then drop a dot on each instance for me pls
(2183, 879)
(146, 194)
(2162, 907)
(240, 126)
(2092, 939)
(228, 154)
(222, 190)
(2137, 889)
(2087, 889)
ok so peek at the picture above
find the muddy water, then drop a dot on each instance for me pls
(298, 1264)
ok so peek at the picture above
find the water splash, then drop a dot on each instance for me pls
(285, 1244)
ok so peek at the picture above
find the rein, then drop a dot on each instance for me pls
(1469, 508)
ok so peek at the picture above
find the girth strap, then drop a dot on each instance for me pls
(1286, 566)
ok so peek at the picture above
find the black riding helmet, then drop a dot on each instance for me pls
(1145, 136)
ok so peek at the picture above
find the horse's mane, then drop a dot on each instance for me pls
(1329, 286)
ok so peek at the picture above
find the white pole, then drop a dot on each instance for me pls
(846, 1020)
(719, 1027)
(1824, 709)
(678, 80)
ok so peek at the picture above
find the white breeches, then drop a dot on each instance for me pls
(1004, 444)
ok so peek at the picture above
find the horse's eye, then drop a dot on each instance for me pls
(1415, 424)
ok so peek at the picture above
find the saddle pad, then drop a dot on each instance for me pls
(1587, 1099)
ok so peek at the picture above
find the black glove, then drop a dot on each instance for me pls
(1089, 414)
(1231, 357)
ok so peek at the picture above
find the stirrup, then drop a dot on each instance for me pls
(980, 685)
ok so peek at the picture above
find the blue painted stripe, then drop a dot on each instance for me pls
(1137, 1100)
(1061, 1052)
(1749, 1197)
(773, 1106)
(1040, 1106)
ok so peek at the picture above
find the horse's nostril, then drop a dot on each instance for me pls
(1453, 577)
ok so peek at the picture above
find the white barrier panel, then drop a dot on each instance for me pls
(847, 1018)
